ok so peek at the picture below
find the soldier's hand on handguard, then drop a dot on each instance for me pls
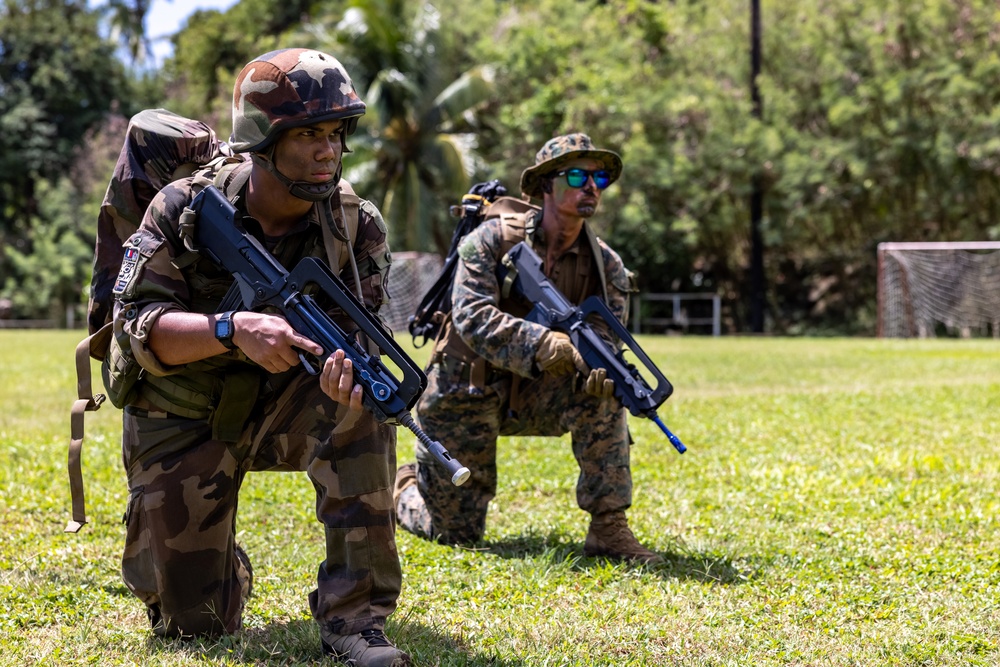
(557, 355)
(337, 381)
(599, 384)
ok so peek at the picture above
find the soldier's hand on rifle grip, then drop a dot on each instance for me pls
(557, 355)
(599, 384)
(337, 381)
(270, 341)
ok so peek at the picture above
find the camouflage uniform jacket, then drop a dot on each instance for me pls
(492, 327)
(164, 276)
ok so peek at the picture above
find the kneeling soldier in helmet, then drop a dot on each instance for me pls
(223, 394)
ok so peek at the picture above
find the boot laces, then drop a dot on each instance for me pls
(616, 528)
(375, 637)
(613, 533)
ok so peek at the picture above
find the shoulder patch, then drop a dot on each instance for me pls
(139, 247)
(128, 270)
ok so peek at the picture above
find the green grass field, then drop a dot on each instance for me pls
(837, 506)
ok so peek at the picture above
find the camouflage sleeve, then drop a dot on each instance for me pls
(149, 284)
(504, 340)
(371, 251)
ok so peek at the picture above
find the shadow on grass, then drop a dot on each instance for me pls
(298, 643)
(680, 563)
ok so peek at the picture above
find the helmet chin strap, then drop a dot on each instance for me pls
(303, 190)
(315, 193)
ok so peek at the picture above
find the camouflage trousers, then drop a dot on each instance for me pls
(468, 421)
(183, 496)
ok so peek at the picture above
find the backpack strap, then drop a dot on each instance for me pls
(515, 228)
(94, 346)
(231, 174)
(598, 258)
(339, 241)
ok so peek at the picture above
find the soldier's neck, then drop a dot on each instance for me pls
(561, 232)
(270, 203)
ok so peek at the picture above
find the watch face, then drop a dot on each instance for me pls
(224, 330)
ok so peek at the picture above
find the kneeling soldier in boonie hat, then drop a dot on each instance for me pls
(493, 373)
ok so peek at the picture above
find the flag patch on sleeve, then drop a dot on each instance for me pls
(127, 272)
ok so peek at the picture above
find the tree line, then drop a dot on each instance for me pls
(878, 124)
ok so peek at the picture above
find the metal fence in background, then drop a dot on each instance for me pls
(684, 312)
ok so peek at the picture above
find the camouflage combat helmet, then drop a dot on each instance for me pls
(561, 150)
(290, 88)
(285, 89)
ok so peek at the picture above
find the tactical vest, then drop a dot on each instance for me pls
(516, 226)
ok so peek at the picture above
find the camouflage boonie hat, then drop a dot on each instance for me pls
(564, 149)
(290, 88)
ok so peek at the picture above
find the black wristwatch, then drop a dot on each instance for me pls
(224, 329)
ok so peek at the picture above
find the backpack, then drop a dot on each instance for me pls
(159, 148)
(483, 202)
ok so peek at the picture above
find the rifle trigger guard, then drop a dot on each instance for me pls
(309, 368)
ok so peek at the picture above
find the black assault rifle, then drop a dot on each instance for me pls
(263, 281)
(436, 303)
(522, 275)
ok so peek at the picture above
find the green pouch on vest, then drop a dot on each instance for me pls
(239, 395)
(120, 370)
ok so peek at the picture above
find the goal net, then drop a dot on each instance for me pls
(931, 289)
(411, 275)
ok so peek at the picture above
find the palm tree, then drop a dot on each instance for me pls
(419, 154)
(127, 23)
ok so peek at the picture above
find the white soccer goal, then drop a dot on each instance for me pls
(927, 289)
(411, 275)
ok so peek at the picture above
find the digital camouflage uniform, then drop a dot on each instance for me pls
(192, 432)
(467, 403)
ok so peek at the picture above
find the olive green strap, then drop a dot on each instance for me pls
(598, 257)
(87, 402)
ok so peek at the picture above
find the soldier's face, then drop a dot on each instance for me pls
(310, 153)
(577, 202)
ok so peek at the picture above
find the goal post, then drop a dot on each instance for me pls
(411, 275)
(927, 288)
